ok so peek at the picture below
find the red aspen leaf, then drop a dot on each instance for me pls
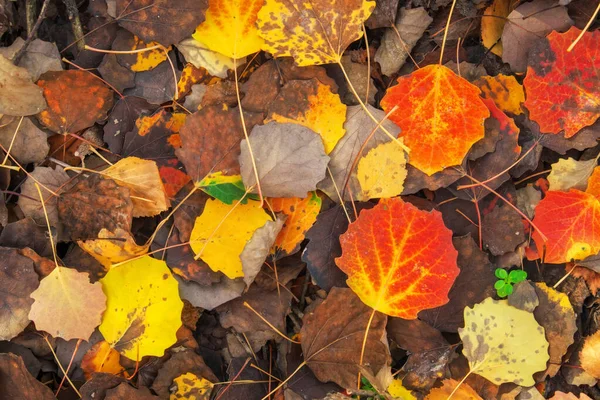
(399, 259)
(313, 32)
(563, 87)
(571, 222)
(441, 116)
(301, 215)
(164, 21)
(76, 100)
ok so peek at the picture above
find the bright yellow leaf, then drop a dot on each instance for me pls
(313, 105)
(143, 310)
(67, 305)
(399, 392)
(312, 31)
(191, 387)
(221, 232)
(141, 176)
(504, 90)
(492, 24)
(503, 343)
(149, 59)
(230, 27)
(381, 173)
(113, 248)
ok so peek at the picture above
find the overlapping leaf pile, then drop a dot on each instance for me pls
(318, 199)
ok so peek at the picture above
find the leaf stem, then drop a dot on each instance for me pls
(446, 31)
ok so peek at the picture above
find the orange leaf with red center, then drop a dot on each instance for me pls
(441, 116)
(571, 222)
(399, 259)
(301, 215)
(563, 88)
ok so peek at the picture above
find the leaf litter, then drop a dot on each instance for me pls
(245, 199)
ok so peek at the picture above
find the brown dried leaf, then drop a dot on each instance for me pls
(181, 363)
(30, 203)
(30, 143)
(19, 95)
(16, 383)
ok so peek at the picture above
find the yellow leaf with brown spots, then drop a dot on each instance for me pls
(112, 248)
(143, 308)
(313, 105)
(190, 386)
(504, 90)
(191, 76)
(230, 27)
(381, 173)
(312, 31)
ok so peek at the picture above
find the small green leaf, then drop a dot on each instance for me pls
(499, 285)
(517, 276)
(505, 290)
(225, 188)
(501, 273)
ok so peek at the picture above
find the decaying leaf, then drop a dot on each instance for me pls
(112, 248)
(222, 231)
(192, 387)
(435, 103)
(561, 86)
(570, 174)
(391, 262)
(143, 308)
(333, 336)
(290, 160)
(48, 179)
(67, 305)
(503, 343)
(17, 383)
(101, 358)
(504, 90)
(19, 96)
(313, 32)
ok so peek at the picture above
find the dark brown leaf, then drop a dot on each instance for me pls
(17, 384)
(180, 363)
(502, 230)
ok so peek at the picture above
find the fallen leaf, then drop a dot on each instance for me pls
(157, 85)
(383, 15)
(301, 215)
(17, 383)
(39, 57)
(332, 338)
(94, 204)
(163, 21)
(112, 248)
(18, 281)
(381, 172)
(200, 56)
(528, 23)
(192, 387)
(178, 363)
(593, 183)
(210, 297)
(290, 160)
(230, 27)
(570, 174)
(492, 24)
(584, 139)
(502, 230)
(122, 119)
(571, 222)
(124, 391)
(311, 104)
(29, 202)
(146, 189)
(204, 149)
(398, 391)
(137, 61)
(20, 96)
(503, 343)
(388, 268)
(569, 396)
(222, 231)
(397, 43)
(77, 305)
(76, 100)
(425, 117)
(358, 127)
(314, 32)
(504, 90)
(30, 144)
(143, 308)
(101, 358)
(464, 391)
(115, 74)
(560, 85)
(258, 248)
(555, 314)
(474, 283)
(590, 353)
(225, 188)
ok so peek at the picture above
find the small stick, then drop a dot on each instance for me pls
(73, 14)
(31, 34)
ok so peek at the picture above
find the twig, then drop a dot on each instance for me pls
(73, 14)
(31, 34)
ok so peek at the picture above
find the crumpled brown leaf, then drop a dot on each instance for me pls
(290, 160)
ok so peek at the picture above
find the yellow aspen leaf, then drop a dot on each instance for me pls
(301, 215)
(230, 27)
(101, 358)
(146, 60)
(381, 173)
(112, 248)
(142, 177)
(504, 90)
(190, 386)
(312, 31)
(143, 308)
(313, 105)
(464, 391)
(198, 53)
(67, 305)
(492, 24)
(398, 391)
(503, 343)
(221, 232)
